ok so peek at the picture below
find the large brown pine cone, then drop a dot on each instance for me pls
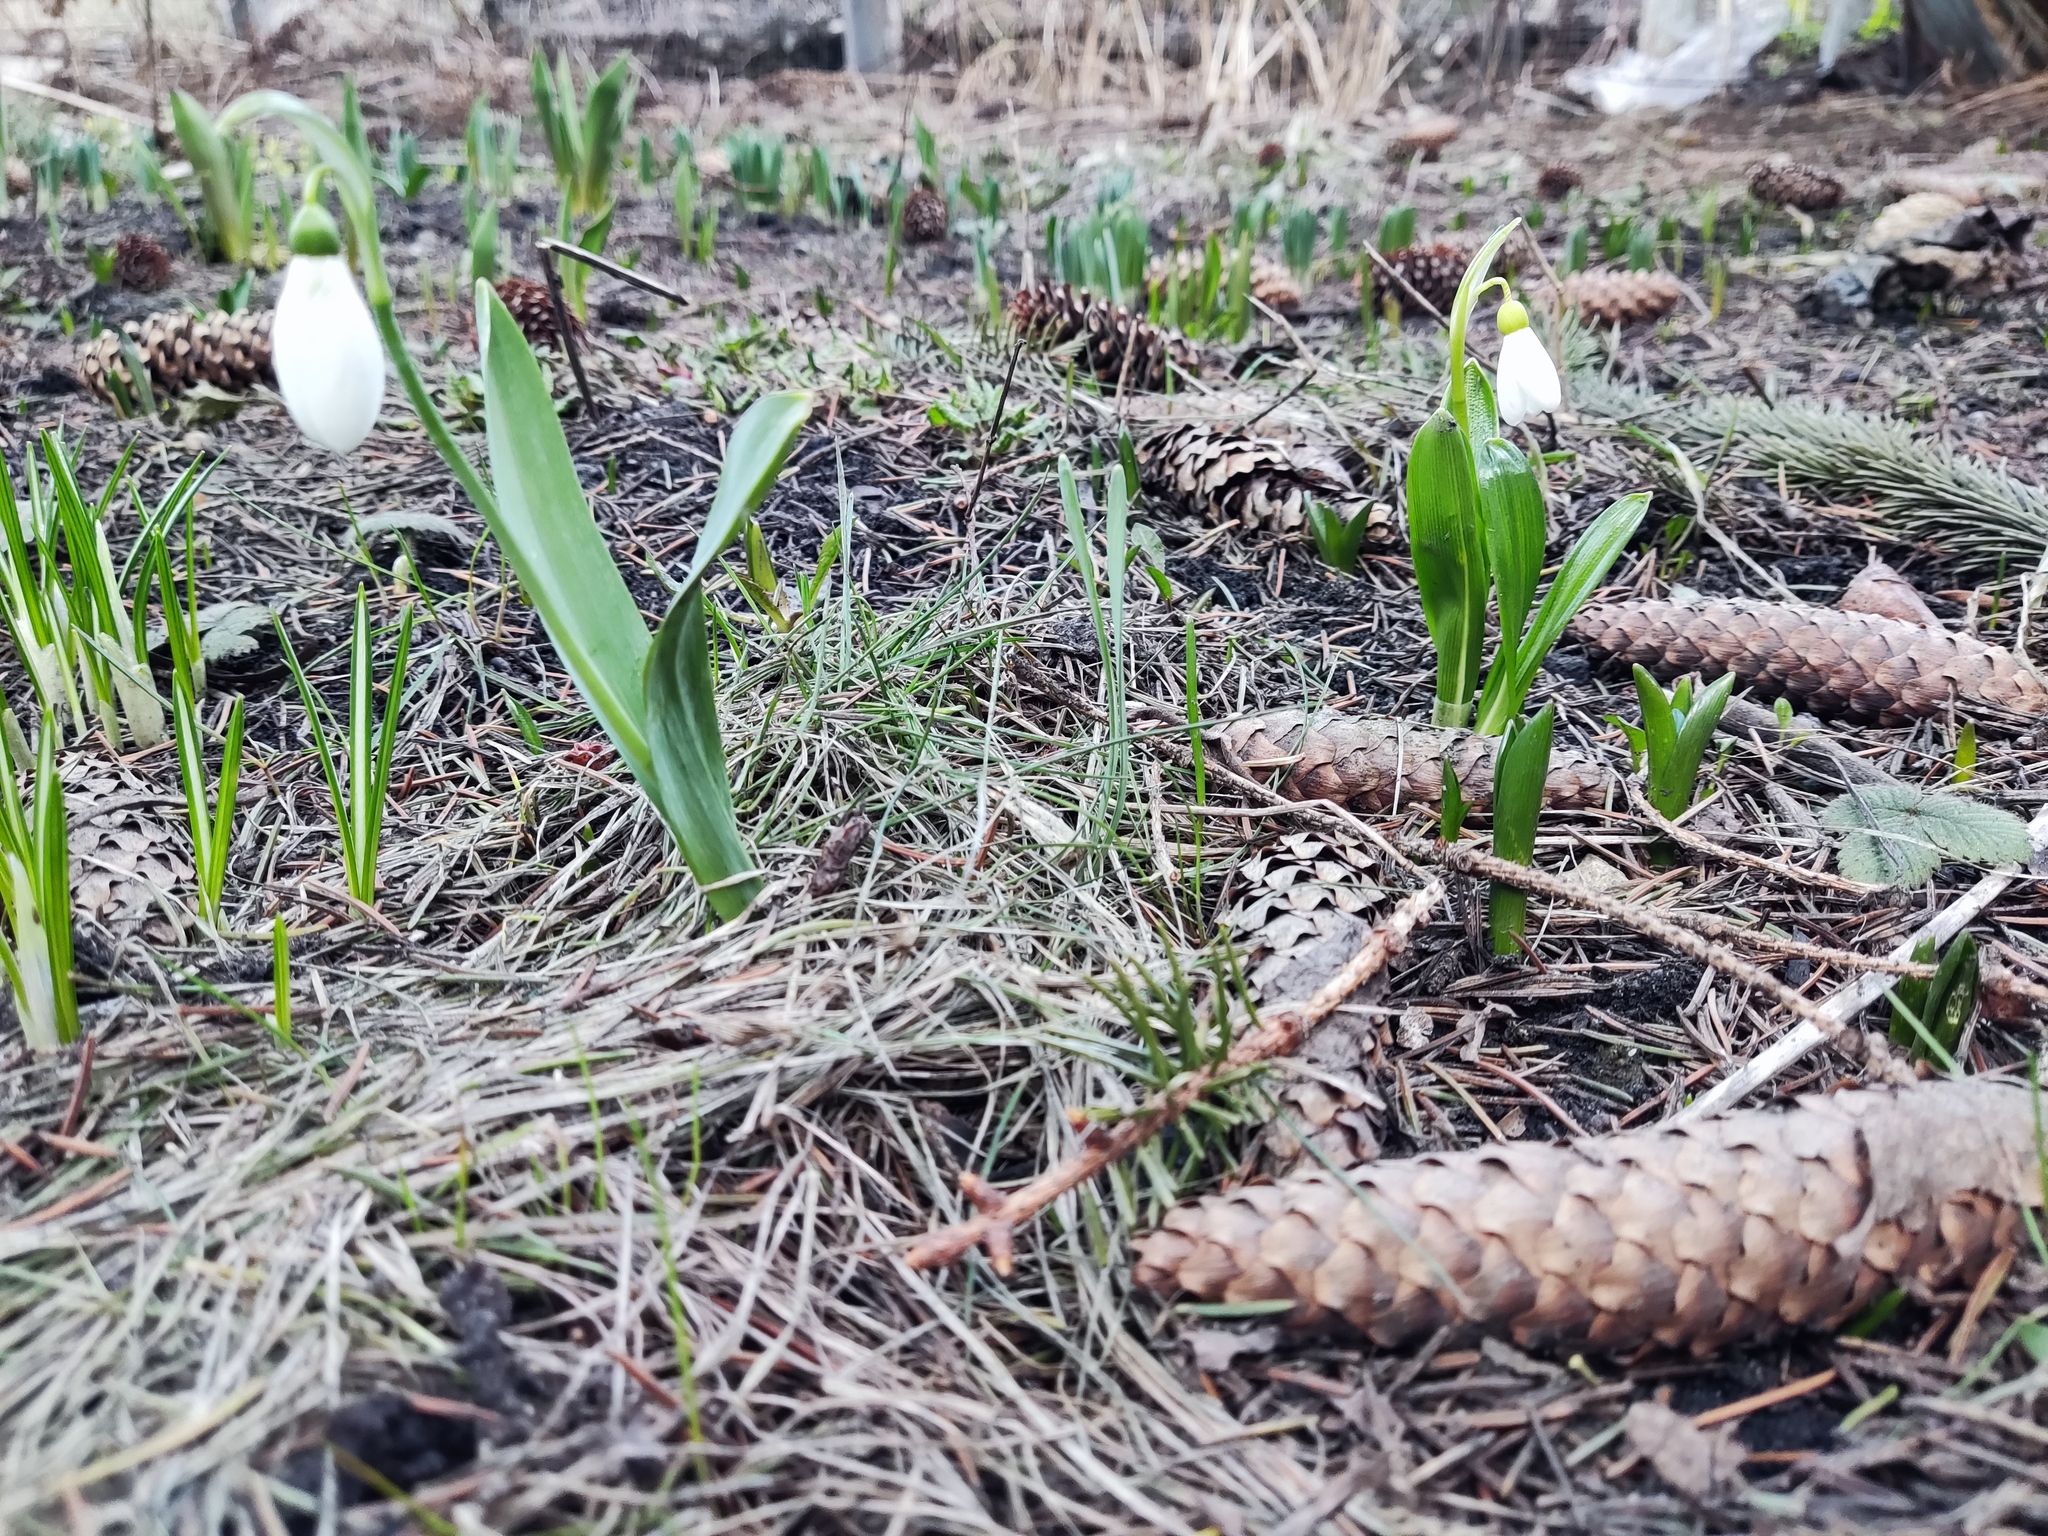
(1366, 761)
(1855, 664)
(1261, 483)
(1624, 297)
(180, 349)
(1792, 185)
(1689, 1236)
(1118, 346)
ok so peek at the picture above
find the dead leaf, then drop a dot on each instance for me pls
(1215, 1348)
(1691, 1460)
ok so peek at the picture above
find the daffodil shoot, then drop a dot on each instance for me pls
(1476, 517)
(323, 341)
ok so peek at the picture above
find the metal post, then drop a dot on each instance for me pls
(874, 36)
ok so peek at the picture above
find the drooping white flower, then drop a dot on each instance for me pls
(324, 346)
(1526, 379)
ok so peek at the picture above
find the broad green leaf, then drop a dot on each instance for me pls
(545, 527)
(1583, 571)
(605, 115)
(1479, 400)
(1450, 561)
(687, 763)
(1511, 520)
(557, 127)
(1660, 731)
(754, 455)
(1899, 834)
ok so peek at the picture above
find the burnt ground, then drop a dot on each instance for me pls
(563, 1208)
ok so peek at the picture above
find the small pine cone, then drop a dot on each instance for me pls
(1260, 483)
(141, 263)
(1688, 1235)
(1855, 664)
(1624, 297)
(1792, 185)
(533, 310)
(1558, 178)
(1274, 286)
(1118, 346)
(924, 217)
(180, 349)
(1432, 271)
(1368, 762)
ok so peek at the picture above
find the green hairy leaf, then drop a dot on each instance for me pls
(1899, 834)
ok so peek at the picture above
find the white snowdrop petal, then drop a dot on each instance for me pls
(326, 352)
(1526, 380)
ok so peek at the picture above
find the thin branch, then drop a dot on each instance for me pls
(997, 1217)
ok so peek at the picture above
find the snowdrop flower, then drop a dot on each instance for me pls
(1526, 379)
(323, 344)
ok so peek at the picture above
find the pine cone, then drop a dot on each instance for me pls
(1690, 1235)
(180, 349)
(1558, 178)
(1792, 185)
(1256, 482)
(1433, 271)
(1053, 314)
(533, 310)
(1623, 297)
(1366, 761)
(924, 217)
(1856, 664)
(141, 263)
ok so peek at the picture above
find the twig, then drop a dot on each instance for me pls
(1706, 847)
(988, 449)
(1866, 1050)
(997, 1216)
(562, 327)
(76, 1107)
(611, 268)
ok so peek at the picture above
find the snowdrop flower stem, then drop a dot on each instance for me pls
(353, 187)
(1475, 283)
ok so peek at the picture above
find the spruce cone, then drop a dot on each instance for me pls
(1053, 314)
(527, 301)
(180, 349)
(1556, 179)
(1433, 271)
(924, 217)
(1830, 662)
(1257, 482)
(1365, 761)
(141, 263)
(1689, 1235)
(1792, 185)
(1622, 297)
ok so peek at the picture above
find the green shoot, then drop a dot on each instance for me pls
(212, 829)
(226, 180)
(281, 981)
(1518, 774)
(1451, 820)
(366, 746)
(35, 883)
(1674, 736)
(1929, 1013)
(1337, 537)
(583, 139)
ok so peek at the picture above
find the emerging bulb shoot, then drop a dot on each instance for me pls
(1526, 379)
(323, 343)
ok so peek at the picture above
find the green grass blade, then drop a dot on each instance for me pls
(224, 806)
(192, 780)
(214, 164)
(318, 726)
(53, 894)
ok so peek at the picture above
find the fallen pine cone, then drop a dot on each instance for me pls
(837, 853)
(1622, 297)
(140, 262)
(1793, 185)
(1261, 483)
(1364, 761)
(179, 349)
(1119, 346)
(1856, 664)
(1880, 590)
(1689, 1236)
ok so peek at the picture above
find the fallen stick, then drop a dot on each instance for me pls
(996, 1217)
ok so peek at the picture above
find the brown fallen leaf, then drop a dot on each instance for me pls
(1692, 1460)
